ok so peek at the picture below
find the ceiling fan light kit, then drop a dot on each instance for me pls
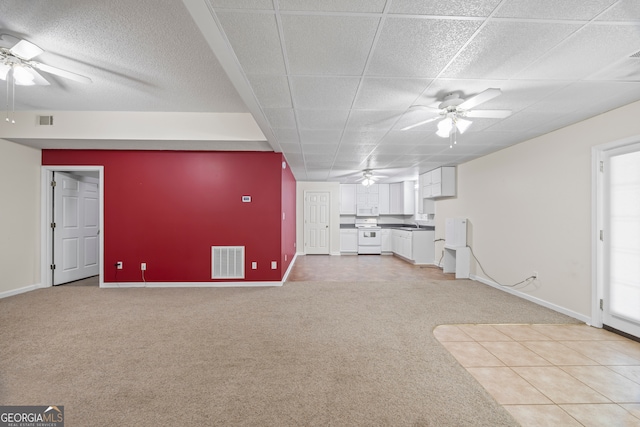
(452, 109)
(18, 68)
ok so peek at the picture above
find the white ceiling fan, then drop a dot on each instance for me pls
(452, 112)
(17, 67)
(17, 62)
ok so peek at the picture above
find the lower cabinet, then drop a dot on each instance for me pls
(414, 246)
(386, 244)
(349, 240)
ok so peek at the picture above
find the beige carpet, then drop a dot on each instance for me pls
(308, 353)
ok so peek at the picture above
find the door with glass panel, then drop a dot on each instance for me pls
(621, 239)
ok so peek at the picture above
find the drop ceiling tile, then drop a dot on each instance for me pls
(398, 137)
(324, 92)
(418, 47)
(243, 4)
(495, 138)
(502, 49)
(320, 136)
(317, 175)
(592, 49)
(351, 137)
(393, 149)
(523, 121)
(271, 91)
(574, 97)
(255, 41)
(320, 44)
(280, 117)
(445, 8)
(430, 149)
(389, 93)
(287, 136)
(372, 119)
(295, 160)
(553, 9)
(373, 6)
(359, 150)
(290, 148)
(328, 149)
(322, 119)
(625, 10)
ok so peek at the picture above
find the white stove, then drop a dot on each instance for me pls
(369, 238)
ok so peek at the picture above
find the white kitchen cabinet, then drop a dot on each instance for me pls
(367, 200)
(440, 182)
(416, 246)
(383, 199)
(348, 240)
(386, 242)
(348, 199)
(402, 198)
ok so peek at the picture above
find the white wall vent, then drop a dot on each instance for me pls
(227, 262)
(45, 120)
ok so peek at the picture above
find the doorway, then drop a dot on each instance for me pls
(618, 237)
(316, 222)
(72, 241)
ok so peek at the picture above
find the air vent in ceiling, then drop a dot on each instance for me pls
(45, 120)
(635, 55)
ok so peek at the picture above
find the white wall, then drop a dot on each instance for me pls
(334, 213)
(19, 218)
(529, 208)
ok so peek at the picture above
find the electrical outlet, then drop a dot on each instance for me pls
(119, 265)
(143, 266)
(274, 265)
(254, 265)
(535, 274)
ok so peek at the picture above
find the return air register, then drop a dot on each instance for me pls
(227, 262)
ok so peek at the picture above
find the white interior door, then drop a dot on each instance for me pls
(316, 223)
(75, 235)
(621, 239)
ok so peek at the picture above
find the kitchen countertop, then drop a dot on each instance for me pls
(405, 227)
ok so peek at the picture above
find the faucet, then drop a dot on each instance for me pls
(416, 224)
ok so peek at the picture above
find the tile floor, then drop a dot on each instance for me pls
(552, 375)
(544, 375)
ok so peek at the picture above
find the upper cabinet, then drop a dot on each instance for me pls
(348, 199)
(402, 198)
(383, 199)
(439, 182)
(378, 199)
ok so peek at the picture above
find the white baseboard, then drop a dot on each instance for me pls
(190, 284)
(554, 307)
(19, 291)
(286, 274)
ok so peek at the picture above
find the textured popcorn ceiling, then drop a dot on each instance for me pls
(331, 82)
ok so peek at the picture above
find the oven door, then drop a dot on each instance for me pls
(369, 241)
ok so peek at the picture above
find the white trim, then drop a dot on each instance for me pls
(190, 284)
(22, 290)
(597, 224)
(286, 274)
(535, 300)
(45, 205)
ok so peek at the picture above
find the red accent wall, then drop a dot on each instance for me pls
(167, 208)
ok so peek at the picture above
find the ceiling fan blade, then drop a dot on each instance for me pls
(60, 72)
(489, 114)
(433, 119)
(480, 98)
(25, 50)
(37, 78)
